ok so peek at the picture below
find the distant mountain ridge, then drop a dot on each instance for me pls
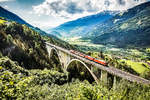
(81, 26)
(132, 28)
(117, 19)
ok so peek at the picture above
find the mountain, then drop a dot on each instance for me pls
(81, 26)
(130, 28)
(13, 17)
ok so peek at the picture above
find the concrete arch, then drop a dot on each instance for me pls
(93, 75)
(51, 53)
(52, 50)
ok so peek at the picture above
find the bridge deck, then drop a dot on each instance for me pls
(111, 70)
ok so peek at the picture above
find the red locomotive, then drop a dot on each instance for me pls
(88, 57)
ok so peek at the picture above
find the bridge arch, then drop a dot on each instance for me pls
(52, 51)
(85, 66)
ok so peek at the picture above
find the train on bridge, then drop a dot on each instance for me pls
(89, 57)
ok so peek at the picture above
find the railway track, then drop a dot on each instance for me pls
(111, 70)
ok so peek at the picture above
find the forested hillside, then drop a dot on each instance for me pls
(29, 45)
(13, 17)
(23, 44)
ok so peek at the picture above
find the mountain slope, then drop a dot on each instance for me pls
(132, 28)
(117, 19)
(81, 26)
(24, 45)
(12, 17)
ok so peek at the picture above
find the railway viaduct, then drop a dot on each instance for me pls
(66, 58)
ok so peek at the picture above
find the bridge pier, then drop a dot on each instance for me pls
(115, 82)
(64, 59)
(49, 50)
(96, 71)
(104, 75)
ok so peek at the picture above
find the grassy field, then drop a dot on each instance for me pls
(2, 21)
(78, 41)
(139, 67)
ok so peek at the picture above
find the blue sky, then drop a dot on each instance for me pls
(51, 13)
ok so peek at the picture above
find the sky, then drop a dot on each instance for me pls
(51, 13)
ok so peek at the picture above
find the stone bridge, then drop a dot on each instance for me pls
(66, 58)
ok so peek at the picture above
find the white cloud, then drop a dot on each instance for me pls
(5, 0)
(66, 10)
(78, 8)
(124, 4)
(6, 7)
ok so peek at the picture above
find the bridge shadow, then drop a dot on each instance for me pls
(78, 70)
